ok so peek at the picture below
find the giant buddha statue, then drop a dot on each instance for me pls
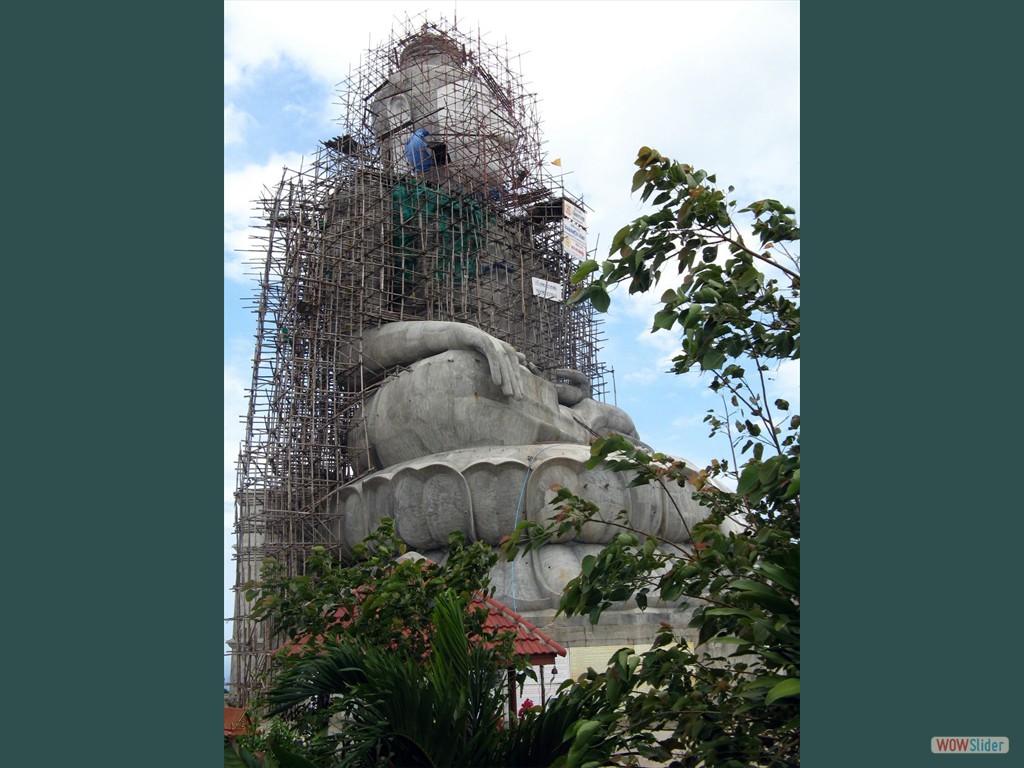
(458, 430)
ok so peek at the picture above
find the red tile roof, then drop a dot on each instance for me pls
(236, 722)
(529, 640)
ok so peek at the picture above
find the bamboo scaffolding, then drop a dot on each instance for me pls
(353, 241)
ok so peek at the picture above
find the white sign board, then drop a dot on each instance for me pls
(574, 231)
(574, 247)
(547, 289)
(572, 212)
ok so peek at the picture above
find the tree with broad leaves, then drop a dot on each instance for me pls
(737, 311)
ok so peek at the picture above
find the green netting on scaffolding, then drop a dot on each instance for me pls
(430, 220)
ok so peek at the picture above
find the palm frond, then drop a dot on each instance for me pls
(442, 711)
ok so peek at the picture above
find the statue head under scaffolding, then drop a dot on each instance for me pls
(443, 202)
(453, 123)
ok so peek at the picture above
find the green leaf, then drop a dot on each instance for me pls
(599, 298)
(779, 575)
(749, 279)
(788, 687)
(584, 269)
(289, 759)
(664, 319)
(712, 360)
(769, 470)
(588, 565)
(728, 612)
(794, 486)
(747, 585)
(749, 479)
(684, 213)
(693, 316)
(232, 758)
(763, 595)
(638, 179)
(620, 237)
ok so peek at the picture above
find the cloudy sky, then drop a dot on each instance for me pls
(709, 83)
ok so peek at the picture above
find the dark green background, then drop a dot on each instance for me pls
(912, 578)
(112, 380)
(114, 367)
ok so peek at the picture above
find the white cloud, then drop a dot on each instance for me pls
(242, 189)
(665, 344)
(235, 123)
(786, 383)
(788, 375)
(689, 420)
(643, 375)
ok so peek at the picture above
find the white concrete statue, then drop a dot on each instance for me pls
(466, 437)
(468, 390)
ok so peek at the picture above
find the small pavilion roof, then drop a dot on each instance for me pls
(529, 640)
(236, 722)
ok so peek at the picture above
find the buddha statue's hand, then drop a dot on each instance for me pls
(502, 359)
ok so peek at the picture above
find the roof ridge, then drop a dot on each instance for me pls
(526, 623)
